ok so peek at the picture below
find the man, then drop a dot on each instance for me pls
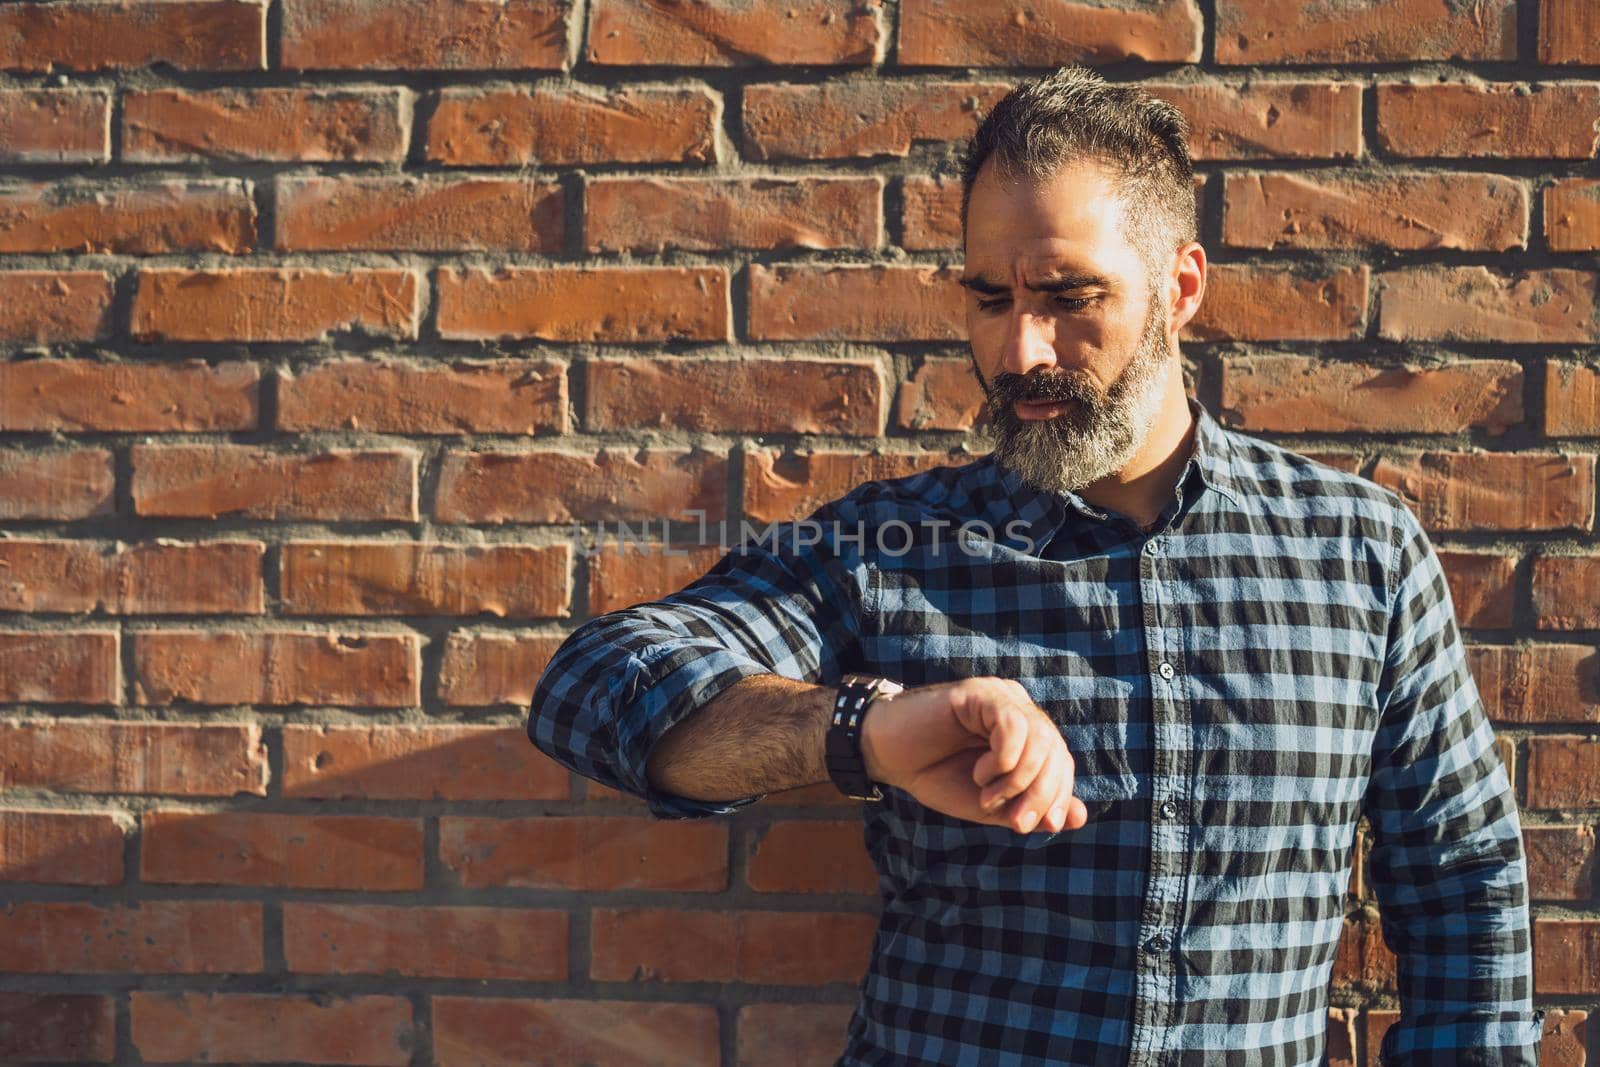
(1148, 689)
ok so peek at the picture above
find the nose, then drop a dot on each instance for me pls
(1030, 343)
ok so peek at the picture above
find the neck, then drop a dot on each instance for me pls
(1144, 486)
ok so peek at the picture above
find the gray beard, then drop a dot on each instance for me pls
(1096, 435)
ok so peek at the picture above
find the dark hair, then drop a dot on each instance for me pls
(1073, 113)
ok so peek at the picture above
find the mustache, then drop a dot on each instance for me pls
(1041, 387)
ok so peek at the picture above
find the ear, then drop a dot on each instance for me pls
(1186, 285)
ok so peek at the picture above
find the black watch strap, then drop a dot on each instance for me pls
(843, 749)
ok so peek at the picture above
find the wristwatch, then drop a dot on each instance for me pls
(843, 749)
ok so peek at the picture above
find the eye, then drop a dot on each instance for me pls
(1074, 303)
(991, 305)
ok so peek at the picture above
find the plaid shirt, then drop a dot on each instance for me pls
(1279, 654)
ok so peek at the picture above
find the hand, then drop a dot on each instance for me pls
(979, 749)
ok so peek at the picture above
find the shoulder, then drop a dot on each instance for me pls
(954, 491)
(1287, 482)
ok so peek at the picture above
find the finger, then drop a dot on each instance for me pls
(1039, 748)
(1032, 807)
(1009, 738)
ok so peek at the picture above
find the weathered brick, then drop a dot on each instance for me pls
(148, 578)
(59, 667)
(1564, 592)
(1504, 120)
(813, 32)
(54, 125)
(95, 35)
(588, 852)
(1341, 1037)
(62, 847)
(785, 487)
(503, 127)
(986, 33)
(273, 304)
(1571, 400)
(1246, 303)
(209, 481)
(842, 120)
(481, 669)
(55, 484)
(446, 762)
(736, 396)
(754, 947)
(301, 851)
(282, 667)
(57, 1027)
(705, 214)
(1475, 304)
(459, 35)
(72, 395)
(790, 303)
(930, 213)
(521, 944)
(798, 1034)
(1566, 956)
(811, 856)
(1385, 31)
(156, 937)
(288, 125)
(1364, 960)
(1481, 586)
(414, 578)
(174, 216)
(1268, 119)
(419, 214)
(617, 304)
(623, 576)
(1376, 1024)
(44, 306)
(1307, 394)
(255, 1027)
(1564, 772)
(477, 1031)
(1561, 862)
(614, 484)
(513, 396)
(941, 394)
(1565, 1038)
(1537, 683)
(1492, 490)
(1572, 215)
(1569, 31)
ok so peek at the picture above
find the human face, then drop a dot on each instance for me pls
(1068, 330)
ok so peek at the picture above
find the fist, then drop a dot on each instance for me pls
(979, 749)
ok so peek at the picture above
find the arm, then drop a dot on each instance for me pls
(1447, 857)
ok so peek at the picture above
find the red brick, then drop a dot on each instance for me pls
(1564, 772)
(789, 303)
(1377, 1024)
(652, 214)
(1566, 956)
(941, 394)
(985, 33)
(495, 1032)
(1341, 1037)
(1561, 862)
(1569, 31)
(591, 852)
(59, 667)
(930, 213)
(446, 762)
(54, 126)
(419, 214)
(198, 216)
(148, 578)
(1572, 215)
(1565, 1038)
(791, 1035)
(56, 484)
(1506, 120)
(1571, 400)
(273, 304)
(415, 578)
(1268, 119)
(300, 851)
(372, 1031)
(503, 127)
(1564, 592)
(1473, 304)
(1492, 490)
(789, 486)
(45, 306)
(105, 756)
(522, 944)
(620, 577)
(853, 119)
(1364, 959)
(185, 34)
(209, 481)
(279, 668)
(57, 1027)
(811, 856)
(616, 304)
(72, 395)
(754, 947)
(62, 847)
(614, 484)
(821, 795)
(271, 125)
(459, 35)
(813, 32)
(1409, 211)
(1384, 31)
(1537, 683)
(736, 396)
(1310, 394)
(1349, 462)
(1246, 303)
(1481, 585)
(514, 396)
(154, 937)
(488, 668)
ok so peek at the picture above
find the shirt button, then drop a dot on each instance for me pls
(1169, 809)
(1165, 670)
(1152, 548)
(1158, 943)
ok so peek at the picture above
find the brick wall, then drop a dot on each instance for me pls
(321, 321)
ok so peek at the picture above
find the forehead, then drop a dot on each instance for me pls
(1073, 218)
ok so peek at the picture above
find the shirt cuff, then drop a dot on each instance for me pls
(1464, 1039)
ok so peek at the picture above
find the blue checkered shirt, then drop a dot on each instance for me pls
(1237, 685)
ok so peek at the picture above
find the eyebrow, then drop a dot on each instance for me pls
(1059, 281)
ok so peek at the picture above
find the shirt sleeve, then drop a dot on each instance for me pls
(1447, 857)
(775, 604)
